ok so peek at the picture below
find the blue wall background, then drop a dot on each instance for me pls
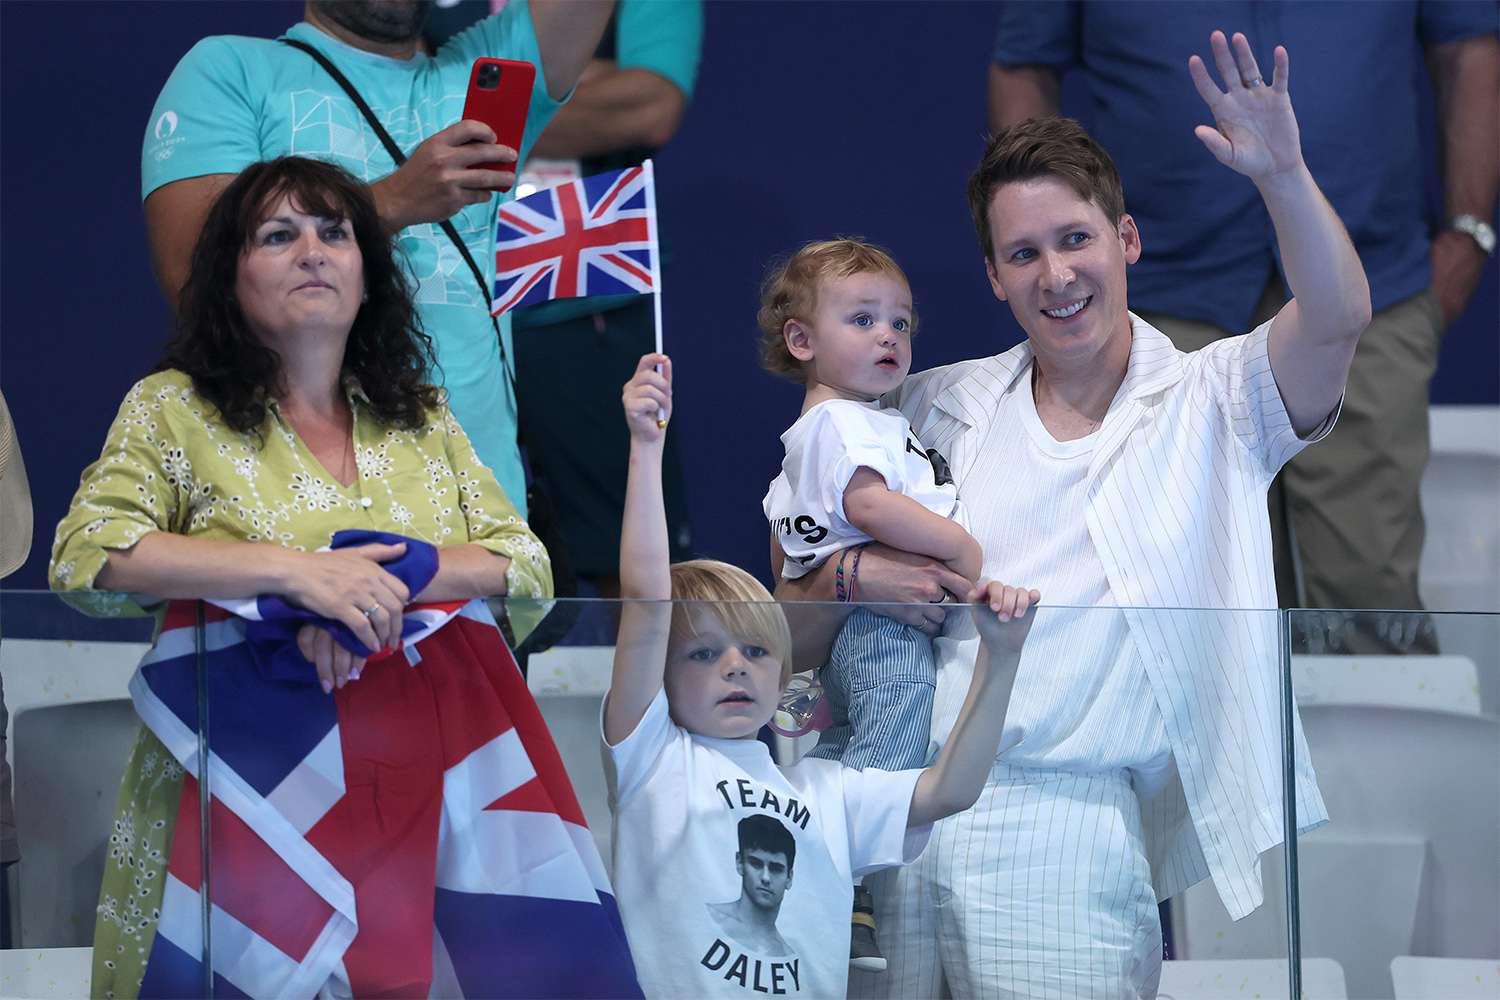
(810, 119)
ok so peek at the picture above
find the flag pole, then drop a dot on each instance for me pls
(650, 169)
(205, 810)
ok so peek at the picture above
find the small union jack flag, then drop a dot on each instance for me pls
(594, 236)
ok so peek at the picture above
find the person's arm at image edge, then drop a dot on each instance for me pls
(174, 218)
(1466, 77)
(635, 99)
(567, 35)
(1021, 92)
(618, 109)
(1034, 44)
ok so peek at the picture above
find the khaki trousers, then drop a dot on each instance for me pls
(1346, 515)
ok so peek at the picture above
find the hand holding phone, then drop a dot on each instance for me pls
(499, 96)
(448, 171)
(465, 163)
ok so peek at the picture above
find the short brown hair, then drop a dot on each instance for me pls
(746, 609)
(1043, 147)
(790, 291)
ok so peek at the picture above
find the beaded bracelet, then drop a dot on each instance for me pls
(838, 578)
(854, 572)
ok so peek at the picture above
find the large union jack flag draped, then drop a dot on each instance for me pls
(412, 834)
(594, 236)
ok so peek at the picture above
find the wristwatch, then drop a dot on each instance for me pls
(1476, 228)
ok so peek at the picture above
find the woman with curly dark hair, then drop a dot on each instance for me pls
(291, 404)
(233, 365)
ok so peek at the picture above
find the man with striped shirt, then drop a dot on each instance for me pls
(1141, 751)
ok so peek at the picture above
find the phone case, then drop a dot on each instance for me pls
(502, 107)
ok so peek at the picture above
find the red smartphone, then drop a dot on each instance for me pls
(499, 96)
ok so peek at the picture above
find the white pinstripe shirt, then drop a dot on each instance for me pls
(1177, 513)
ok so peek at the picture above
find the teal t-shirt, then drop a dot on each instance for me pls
(232, 101)
(666, 37)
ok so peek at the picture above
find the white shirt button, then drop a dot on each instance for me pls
(365, 502)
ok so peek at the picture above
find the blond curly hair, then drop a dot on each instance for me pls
(790, 291)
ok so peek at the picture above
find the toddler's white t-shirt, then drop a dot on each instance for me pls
(805, 503)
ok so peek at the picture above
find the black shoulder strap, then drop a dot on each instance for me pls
(400, 158)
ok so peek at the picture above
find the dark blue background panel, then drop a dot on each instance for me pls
(810, 119)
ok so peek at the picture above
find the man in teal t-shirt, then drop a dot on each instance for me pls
(629, 103)
(232, 101)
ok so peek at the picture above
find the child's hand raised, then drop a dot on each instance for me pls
(1002, 613)
(955, 779)
(647, 398)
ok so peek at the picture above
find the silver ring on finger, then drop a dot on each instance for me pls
(1255, 81)
(370, 611)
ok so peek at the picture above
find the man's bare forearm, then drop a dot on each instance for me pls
(815, 627)
(1322, 268)
(567, 35)
(174, 218)
(1466, 75)
(620, 109)
(1021, 92)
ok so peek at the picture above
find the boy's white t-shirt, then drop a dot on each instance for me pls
(805, 503)
(678, 801)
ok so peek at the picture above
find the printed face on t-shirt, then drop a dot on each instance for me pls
(765, 877)
(748, 948)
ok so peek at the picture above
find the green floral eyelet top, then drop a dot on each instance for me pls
(171, 464)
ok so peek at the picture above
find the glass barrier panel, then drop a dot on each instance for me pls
(1090, 654)
(69, 728)
(444, 773)
(1402, 715)
(1215, 823)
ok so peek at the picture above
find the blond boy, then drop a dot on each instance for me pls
(694, 681)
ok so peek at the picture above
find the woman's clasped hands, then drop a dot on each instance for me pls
(351, 586)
